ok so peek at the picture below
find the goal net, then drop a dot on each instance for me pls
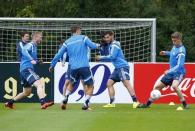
(137, 36)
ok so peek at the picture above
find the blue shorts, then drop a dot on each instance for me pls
(67, 76)
(28, 77)
(120, 74)
(83, 73)
(168, 78)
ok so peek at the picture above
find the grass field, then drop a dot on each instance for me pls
(28, 117)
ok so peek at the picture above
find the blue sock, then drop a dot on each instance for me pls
(42, 101)
(149, 103)
(184, 103)
(111, 100)
(134, 98)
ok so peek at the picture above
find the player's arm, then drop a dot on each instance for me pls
(180, 63)
(112, 55)
(64, 59)
(90, 44)
(165, 53)
(61, 51)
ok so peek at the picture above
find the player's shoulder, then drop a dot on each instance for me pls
(115, 44)
(28, 45)
(182, 48)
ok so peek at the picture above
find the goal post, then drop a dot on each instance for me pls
(137, 35)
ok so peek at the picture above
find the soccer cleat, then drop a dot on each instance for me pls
(109, 106)
(9, 105)
(142, 106)
(47, 104)
(86, 108)
(63, 106)
(135, 104)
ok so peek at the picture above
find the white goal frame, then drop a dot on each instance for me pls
(152, 20)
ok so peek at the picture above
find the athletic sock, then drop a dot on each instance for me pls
(11, 101)
(149, 103)
(112, 100)
(134, 98)
(87, 98)
(42, 101)
(184, 103)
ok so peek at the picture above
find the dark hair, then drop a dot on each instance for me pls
(111, 33)
(75, 28)
(22, 34)
(177, 35)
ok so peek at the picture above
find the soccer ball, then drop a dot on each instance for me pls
(155, 94)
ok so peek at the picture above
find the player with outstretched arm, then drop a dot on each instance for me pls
(77, 50)
(121, 71)
(176, 72)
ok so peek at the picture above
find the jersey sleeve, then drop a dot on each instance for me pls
(61, 51)
(113, 53)
(89, 43)
(167, 53)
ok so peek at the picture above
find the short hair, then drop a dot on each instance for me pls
(111, 33)
(22, 34)
(177, 35)
(36, 33)
(75, 28)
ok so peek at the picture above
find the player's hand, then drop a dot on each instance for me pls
(166, 72)
(162, 53)
(33, 62)
(51, 69)
(97, 57)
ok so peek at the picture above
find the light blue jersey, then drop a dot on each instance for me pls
(177, 59)
(116, 55)
(29, 53)
(77, 50)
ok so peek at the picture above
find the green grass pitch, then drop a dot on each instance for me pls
(28, 117)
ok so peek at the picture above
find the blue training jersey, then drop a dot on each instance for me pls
(104, 51)
(177, 59)
(18, 49)
(116, 55)
(77, 48)
(29, 53)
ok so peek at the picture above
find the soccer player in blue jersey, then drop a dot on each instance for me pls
(176, 71)
(77, 50)
(121, 71)
(104, 47)
(28, 75)
(24, 40)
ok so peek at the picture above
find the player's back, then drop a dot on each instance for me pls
(29, 52)
(174, 58)
(77, 51)
(119, 61)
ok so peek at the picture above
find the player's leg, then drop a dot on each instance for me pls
(87, 77)
(166, 80)
(125, 78)
(67, 89)
(34, 79)
(175, 85)
(26, 92)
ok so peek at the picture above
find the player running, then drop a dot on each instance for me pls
(121, 71)
(176, 72)
(28, 76)
(77, 50)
